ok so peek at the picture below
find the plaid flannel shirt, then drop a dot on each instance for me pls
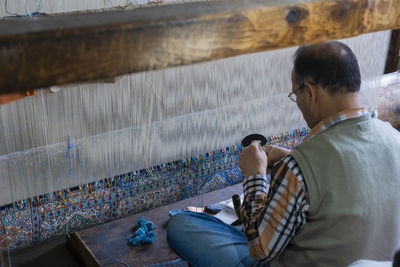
(274, 206)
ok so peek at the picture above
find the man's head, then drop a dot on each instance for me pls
(327, 77)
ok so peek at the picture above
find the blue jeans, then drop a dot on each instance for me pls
(205, 241)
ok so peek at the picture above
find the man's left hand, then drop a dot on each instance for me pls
(253, 160)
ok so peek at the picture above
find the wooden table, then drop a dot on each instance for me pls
(102, 244)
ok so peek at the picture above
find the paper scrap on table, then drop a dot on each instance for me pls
(228, 214)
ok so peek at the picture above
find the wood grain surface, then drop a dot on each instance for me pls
(61, 49)
(109, 241)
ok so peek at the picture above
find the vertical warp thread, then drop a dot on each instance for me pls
(70, 155)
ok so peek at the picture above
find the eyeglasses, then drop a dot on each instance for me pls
(292, 95)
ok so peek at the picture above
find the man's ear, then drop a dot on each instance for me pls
(313, 90)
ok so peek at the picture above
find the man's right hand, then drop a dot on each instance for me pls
(253, 160)
(275, 154)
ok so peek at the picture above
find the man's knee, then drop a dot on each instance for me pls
(178, 223)
(175, 223)
(176, 228)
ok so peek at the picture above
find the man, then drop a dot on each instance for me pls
(333, 200)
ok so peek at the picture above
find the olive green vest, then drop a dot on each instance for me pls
(352, 173)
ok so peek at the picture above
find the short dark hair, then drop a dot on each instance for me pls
(332, 65)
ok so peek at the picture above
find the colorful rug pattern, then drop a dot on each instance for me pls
(36, 219)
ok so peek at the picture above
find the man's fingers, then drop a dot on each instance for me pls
(256, 144)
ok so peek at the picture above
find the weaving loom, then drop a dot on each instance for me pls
(94, 152)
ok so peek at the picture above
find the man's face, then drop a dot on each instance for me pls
(301, 101)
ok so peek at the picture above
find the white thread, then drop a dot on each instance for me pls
(235, 97)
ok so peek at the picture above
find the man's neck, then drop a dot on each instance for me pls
(338, 103)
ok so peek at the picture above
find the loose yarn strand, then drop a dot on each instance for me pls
(27, 12)
(121, 262)
(7, 11)
(27, 9)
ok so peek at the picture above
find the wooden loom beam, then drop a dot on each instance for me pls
(61, 49)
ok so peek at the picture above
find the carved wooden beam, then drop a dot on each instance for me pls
(43, 51)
